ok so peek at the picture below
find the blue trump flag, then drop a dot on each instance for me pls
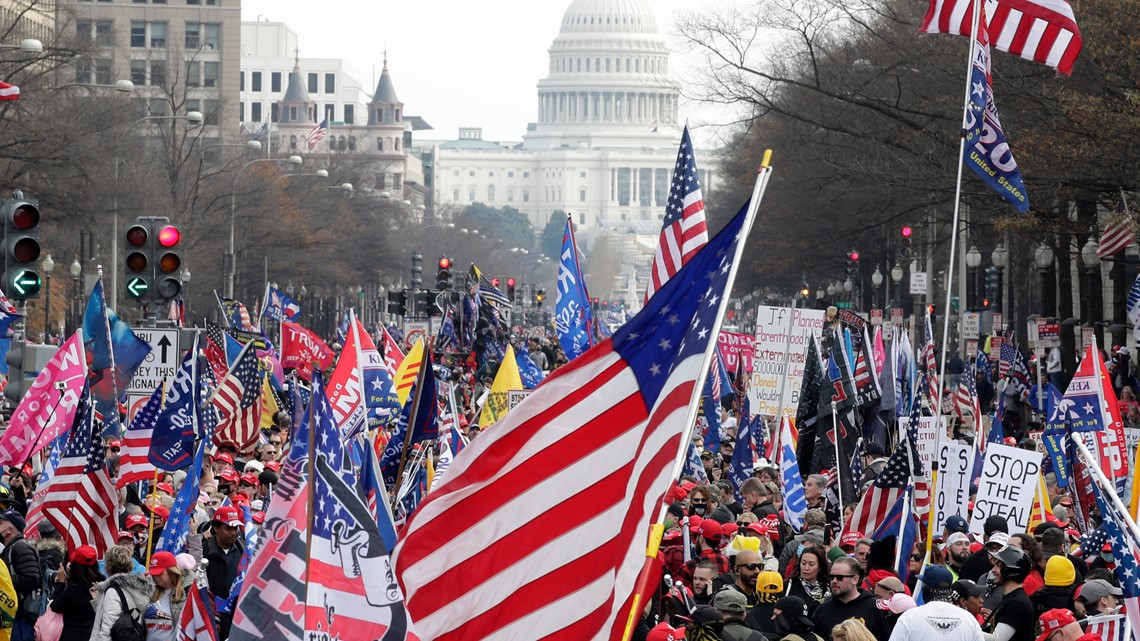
(280, 306)
(178, 424)
(177, 529)
(529, 373)
(116, 354)
(572, 314)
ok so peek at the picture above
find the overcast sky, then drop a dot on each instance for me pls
(454, 62)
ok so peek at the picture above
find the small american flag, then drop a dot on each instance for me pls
(684, 230)
(238, 401)
(317, 134)
(1044, 31)
(1116, 236)
(889, 485)
(215, 350)
(197, 620)
(1012, 364)
(930, 361)
(81, 501)
(1110, 627)
(134, 461)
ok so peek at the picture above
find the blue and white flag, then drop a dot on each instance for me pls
(743, 458)
(280, 306)
(529, 373)
(1134, 307)
(573, 316)
(795, 503)
(177, 529)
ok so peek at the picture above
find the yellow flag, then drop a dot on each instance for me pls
(1042, 509)
(430, 469)
(408, 370)
(8, 603)
(506, 379)
(269, 407)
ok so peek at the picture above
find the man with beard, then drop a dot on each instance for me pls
(708, 549)
(957, 549)
(848, 601)
(748, 567)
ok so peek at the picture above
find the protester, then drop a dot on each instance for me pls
(1060, 581)
(733, 607)
(851, 630)
(968, 596)
(24, 568)
(1013, 619)
(847, 600)
(1099, 597)
(938, 619)
(121, 592)
(810, 580)
(1059, 624)
(73, 600)
(791, 621)
(162, 614)
(224, 550)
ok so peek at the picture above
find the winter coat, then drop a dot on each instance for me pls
(137, 588)
(24, 566)
(52, 554)
(73, 602)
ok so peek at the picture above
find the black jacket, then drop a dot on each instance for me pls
(74, 603)
(1050, 597)
(223, 567)
(975, 565)
(24, 566)
(832, 612)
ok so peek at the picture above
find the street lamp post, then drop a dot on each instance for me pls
(48, 265)
(184, 276)
(76, 271)
(1043, 256)
(194, 118)
(1092, 276)
(973, 260)
(999, 257)
(231, 258)
(876, 283)
(896, 278)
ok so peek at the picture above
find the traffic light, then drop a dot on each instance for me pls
(495, 282)
(21, 248)
(426, 303)
(852, 266)
(417, 270)
(167, 277)
(992, 282)
(538, 297)
(398, 302)
(17, 385)
(986, 302)
(511, 289)
(904, 249)
(443, 276)
(139, 262)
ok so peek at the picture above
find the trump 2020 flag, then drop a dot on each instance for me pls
(48, 408)
(1083, 403)
(795, 503)
(280, 306)
(572, 307)
(558, 493)
(986, 152)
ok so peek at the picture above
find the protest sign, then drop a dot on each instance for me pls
(1006, 487)
(927, 437)
(733, 347)
(773, 351)
(955, 464)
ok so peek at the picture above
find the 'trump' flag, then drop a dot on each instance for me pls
(684, 230)
(986, 151)
(116, 353)
(572, 307)
(280, 306)
(48, 408)
(1083, 404)
(1044, 31)
(352, 590)
(178, 525)
(80, 500)
(795, 503)
(179, 422)
(1134, 306)
(558, 494)
(301, 349)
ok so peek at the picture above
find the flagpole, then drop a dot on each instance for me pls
(838, 474)
(764, 173)
(412, 415)
(1106, 485)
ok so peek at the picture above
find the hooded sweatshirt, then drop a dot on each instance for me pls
(832, 612)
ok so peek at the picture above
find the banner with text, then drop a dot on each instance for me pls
(781, 340)
(734, 347)
(955, 464)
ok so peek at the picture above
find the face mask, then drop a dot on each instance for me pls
(699, 510)
(1107, 556)
(800, 550)
(782, 624)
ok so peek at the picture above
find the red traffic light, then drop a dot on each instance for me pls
(137, 236)
(510, 282)
(907, 231)
(495, 282)
(854, 255)
(445, 263)
(169, 236)
(25, 217)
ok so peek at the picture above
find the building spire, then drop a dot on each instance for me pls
(297, 57)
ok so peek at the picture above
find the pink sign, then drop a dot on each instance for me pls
(733, 347)
(48, 408)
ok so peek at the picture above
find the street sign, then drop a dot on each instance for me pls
(971, 348)
(918, 283)
(999, 324)
(1087, 336)
(971, 325)
(1044, 333)
(26, 283)
(162, 361)
(876, 317)
(137, 287)
(897, 316)
(416, 331)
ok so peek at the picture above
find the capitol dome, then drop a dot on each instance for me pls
(608, 81)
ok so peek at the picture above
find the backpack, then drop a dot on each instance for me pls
(35, 602)
(129, 626)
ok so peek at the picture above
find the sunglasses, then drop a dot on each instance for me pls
(700, 502)
(916, 557)
(750, 566)
(840, 577)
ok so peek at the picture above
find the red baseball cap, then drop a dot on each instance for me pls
(272, 465)
(850, 538)
(665, 632)
(257, 517)
(84, 555)
(161, 562)
(694, 523)
(228, 515)
(123, 534)
(165, 487)
(137, 519)
(729, 529)
(710, 529)
(1054, 620)
(229, 475)
(222, 457)
(161, 511)
(759, 528)
(249, 479)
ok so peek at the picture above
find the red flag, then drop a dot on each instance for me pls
(9, 92)
(301, 348)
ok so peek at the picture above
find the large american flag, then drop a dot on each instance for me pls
(238, 401)
(134, 460)
(684, 230)
(1043, 31)
(554, 502)
(80, 499)
(1126, 549)
(891, 483)
(317, 134)
(1117, 234)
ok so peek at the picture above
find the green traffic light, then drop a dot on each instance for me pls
(25, 283)
(137, 287)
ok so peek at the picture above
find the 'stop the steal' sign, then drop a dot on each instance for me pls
(1006, 487)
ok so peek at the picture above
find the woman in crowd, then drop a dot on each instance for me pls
(851, 630)
(810, 579)
(73, 600)
(122, 591)
(166, 602)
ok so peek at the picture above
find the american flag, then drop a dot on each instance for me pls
(238, 401)
(1044, 31)
(684, 230)
(352, 591)
(317, 134)
(1116, 236)
(487, 290)
(197, 620)
(558, 495)
(1110, 627)
(80, 500)
(930, 361)
(214, 348)
(235, 314)
(134, 460)
(1126, 549)
(891, 483)
(1012, 364)
(1133, 305)
(966, 398)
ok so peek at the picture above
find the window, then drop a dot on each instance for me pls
(397, 115)
(397, 181)
(193, 36)
(352, 143)
(293, 114)
(312, 83)
(241, 81)
(490, 193)
(103, 68)
(158, 73)
(83, 70)
(212, 36)
(138, 72)
(193, 74)
(581, 218)
(349, 114)
(490, 174)
(510, 174)
(607, 65)
(379, 144)
(455, 194)
(211, 112)
(105, 33)
(471, 173)
(526, 174)
(330, 83)
(397, 142)
(275, 81)
(510, 195)
(330, 112)
(255, 111)
(255, 81)
(526, 196)
(292, 142)
(156, 107)
(471, 194)
(274, 112)
(582, 195)
(83, 29)
(582, 174)
(158, 35)
(138, 34)
(210, 74)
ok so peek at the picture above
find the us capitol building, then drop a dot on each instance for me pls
(605, 142)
